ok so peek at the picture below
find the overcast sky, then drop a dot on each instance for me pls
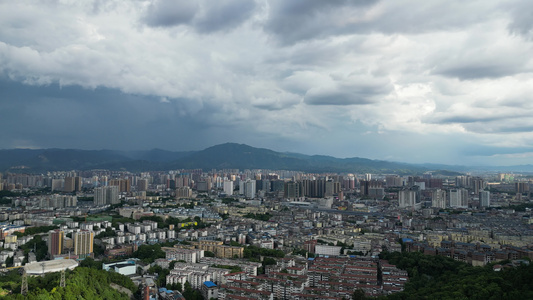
(437, 81)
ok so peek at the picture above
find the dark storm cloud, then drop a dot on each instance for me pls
(336, 98)
(203, 16)
(487, 120)
(469, 119)
(349, 91)
(299, 20)
(469, 72)
(164, 13)
(74, 117)
(221, 15)
(521, 18)
(340, 96)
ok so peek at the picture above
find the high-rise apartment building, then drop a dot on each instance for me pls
(106, 195)
(228, 187)
(142, 185)
(55, 242)
(407, 198)
(58, 201)
(249, 189)
(72, 184)
(521, 187)
(349, 182)
(314, 188)
(57, 184)
(393, 180)
(124, 185)
(183, 192)
(202, 186)
(463, 181)
(478, 184)
(293, 190)
(83, 243)
(69, 185)
(365, 186)
(459, 198)
(332, 187)
(438, 198)
(484, 198)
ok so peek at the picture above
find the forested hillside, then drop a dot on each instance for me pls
(437, 277)
(81, 283)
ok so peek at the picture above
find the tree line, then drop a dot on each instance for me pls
(438, 277)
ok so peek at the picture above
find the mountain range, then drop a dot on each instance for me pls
(224, 156)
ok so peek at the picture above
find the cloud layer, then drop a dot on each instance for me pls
(397, 80)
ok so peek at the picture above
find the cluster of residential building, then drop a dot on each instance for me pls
(300, 278)
(328, 216)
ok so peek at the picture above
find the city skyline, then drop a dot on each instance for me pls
(446, 82)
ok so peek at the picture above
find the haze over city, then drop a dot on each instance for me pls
(441, 82)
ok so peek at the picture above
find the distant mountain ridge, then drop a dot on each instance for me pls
(224, 156)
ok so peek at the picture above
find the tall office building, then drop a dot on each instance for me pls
(438, 198)
(55, 242)
(484, 198)
(459, 198)
(83, 243)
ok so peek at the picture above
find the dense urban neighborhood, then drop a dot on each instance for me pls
(255, 234)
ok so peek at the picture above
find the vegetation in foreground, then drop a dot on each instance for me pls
(437, 277)
(81, 283)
